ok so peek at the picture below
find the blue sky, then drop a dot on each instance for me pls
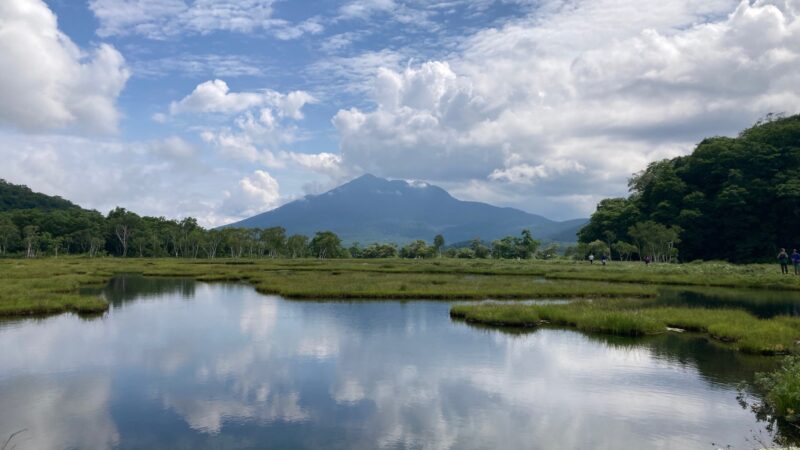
(221, 109)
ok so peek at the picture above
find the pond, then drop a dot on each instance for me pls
(179, 364)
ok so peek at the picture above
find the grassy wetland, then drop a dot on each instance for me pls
(614, 299)
(46, 286)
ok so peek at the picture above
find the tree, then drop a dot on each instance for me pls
(438, 243)
(613, 217)
(274, 240)
(377, 250)
(464, 253)
(138, 241)
(527, 245)
(56, 244)
(211, 242)
(655, 240)
(624, 250)
(96, 243)
(597, 248)
(236, 240)
(9, 234)
(326, 244)
(478, 249)
(505, 248)
(355, 250)
(610, 237)
(417, 249)
(31, 236)
(549, 252)
(297, 246)
(523, 247)
(122, 223)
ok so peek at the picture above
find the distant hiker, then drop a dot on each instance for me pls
(591, 258)
(796, 261)
(783, 259)
(603, 258)
(647, 260)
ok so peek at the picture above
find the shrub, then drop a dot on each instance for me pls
(783, 389)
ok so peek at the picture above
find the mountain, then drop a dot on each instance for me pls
(371, 209)
(13, 196)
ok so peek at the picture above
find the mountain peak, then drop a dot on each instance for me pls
(371, 184)
(368, 176)
(373, 209)
(366, 179)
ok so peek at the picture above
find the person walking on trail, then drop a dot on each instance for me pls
(783, 259)
(603, 258)
(591, 258)
(796, 261)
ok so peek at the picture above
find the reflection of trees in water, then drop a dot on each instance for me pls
(762, 303)
(781, 433)
(124, 288)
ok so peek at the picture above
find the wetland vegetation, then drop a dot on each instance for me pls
(51, 285)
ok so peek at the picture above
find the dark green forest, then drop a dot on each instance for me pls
(735, 199)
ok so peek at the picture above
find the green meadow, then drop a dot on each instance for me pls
(52, 285)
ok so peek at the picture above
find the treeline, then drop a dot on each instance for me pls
(122, 233)
(735, 199)
(523, 246)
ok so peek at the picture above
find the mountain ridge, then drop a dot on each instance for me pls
(372, 209)
(17, 197)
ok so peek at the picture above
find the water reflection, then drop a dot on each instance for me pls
(759, 302)
(234, 369)
(125, 288)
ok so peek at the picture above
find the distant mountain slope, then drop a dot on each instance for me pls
(13, 196)
(372, 209)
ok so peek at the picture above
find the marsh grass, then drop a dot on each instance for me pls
(367, 285)
(47, 286)
(740, 329)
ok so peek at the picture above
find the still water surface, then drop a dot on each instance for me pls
(184, 365)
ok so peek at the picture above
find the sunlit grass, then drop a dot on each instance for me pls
(740, 329)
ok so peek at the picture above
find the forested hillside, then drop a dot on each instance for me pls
(736, 199)
(13, 196)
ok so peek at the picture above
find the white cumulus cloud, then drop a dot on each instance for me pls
(214, 96)
(255, 194)
(572, 100)
(50, 83)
